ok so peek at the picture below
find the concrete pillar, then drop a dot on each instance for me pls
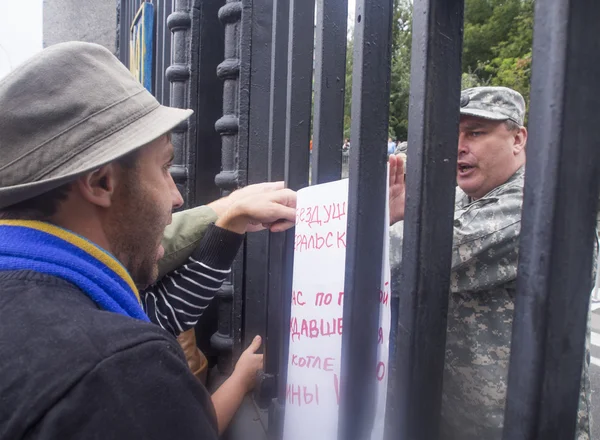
(92, 21)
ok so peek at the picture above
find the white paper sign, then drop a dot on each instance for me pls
(312, 393)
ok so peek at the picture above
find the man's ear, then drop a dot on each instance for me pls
(98, 187)
(520, 140)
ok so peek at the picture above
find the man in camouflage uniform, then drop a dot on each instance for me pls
(487, 222)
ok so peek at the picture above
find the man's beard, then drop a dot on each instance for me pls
(135, 231)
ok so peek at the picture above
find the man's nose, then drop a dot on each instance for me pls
(462, 144)
(176, 195)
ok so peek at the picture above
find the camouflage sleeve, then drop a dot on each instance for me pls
(183, 235)
(486, 241)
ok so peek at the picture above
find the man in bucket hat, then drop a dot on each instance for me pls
(85, 196)
(487, 224)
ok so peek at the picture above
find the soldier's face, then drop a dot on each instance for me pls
(488, 154)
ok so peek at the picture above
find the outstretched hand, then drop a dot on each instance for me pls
(274, 210)
(249, 364)
(221, 205)
(397, 189)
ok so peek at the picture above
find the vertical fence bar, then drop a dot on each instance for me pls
(207, 46)
(167, 58)
(298, 100)
(298, 112)
(366, 207)
(277, 322)
(255, 306)
(330, 80)
(123, 35)
(229, 178)
(160, 23)
(426, 253)
(557, 235)
(179, 74)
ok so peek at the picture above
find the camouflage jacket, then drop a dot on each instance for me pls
(480, 312)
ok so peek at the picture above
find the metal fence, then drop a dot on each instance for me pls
(184, 76)
(266, 125)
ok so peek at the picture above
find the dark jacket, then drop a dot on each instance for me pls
(69, 370)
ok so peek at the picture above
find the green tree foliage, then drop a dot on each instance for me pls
(400, 77)
(497, 44)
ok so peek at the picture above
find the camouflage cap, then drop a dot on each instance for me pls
(495, 103)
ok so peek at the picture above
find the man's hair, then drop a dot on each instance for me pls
(129, 161)
(40, 208)
(45, 206)
(511, 125)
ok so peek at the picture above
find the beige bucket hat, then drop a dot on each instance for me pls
(67, 111)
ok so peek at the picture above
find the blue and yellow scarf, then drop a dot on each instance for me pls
(45, 248)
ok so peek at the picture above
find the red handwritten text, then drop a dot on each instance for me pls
(317, 241)
(384, 295)
(297, 298)
(380, 371)
(314, 362)
(321, 214)
(298, 395)
(315, 328)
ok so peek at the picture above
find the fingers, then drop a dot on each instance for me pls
(277, 185)
(393, 168)
(259, 188)
(396, 169)
(281, 225)
(261, 363)
(275, 210)
(285, 197)
(255, 345)
(400, 172)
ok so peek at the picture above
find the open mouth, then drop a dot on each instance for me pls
(463, 168)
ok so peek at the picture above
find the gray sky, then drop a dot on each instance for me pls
(351, 7)
(20, 32)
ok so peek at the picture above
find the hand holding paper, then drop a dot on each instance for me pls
(275, 210)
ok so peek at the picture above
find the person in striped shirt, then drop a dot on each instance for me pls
(179, 298)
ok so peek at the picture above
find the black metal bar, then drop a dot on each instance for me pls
(277, 336)
(557, 235)
(123, 35)
(233, 127)
(426, 253)
(299, 93)
(330, 80)
(366, 207)
(167, 58)
(228, 126)
(276, 172)
(207, 45)
(229, 71)
(298, 112)
(179, 75)
(255, 307)
(160, 23)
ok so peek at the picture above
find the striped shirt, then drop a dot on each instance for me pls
(177, 301)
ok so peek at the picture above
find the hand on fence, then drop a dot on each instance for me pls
(273, 209)
(249, 364)
(397, 188)
(224, 203)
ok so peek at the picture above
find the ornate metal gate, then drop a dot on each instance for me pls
(266, 120)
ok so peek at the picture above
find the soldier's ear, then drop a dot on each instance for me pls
(520, 140)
